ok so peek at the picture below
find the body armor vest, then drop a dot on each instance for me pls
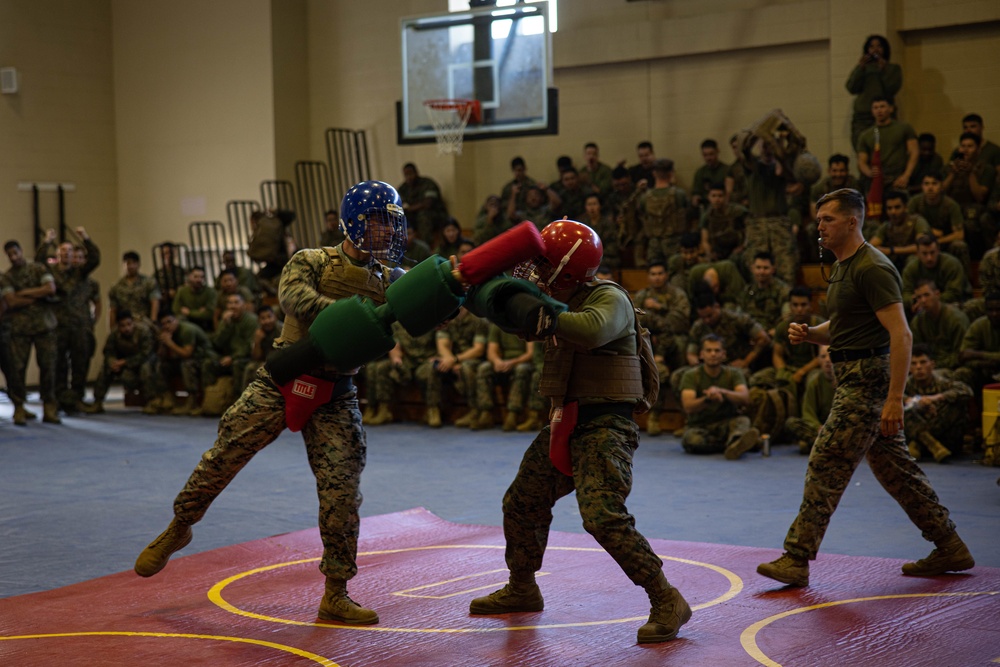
(572, 372)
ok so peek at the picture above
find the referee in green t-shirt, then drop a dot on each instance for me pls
(870, 344)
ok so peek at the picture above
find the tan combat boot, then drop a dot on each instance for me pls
(914, 449)
(434, 417)
(155, 556)
(949, 555)
(934, 446)
(532, 423)
(95, 408)
(20, 415)
(468, 419)
(744, 444)
(510, 421)
(668, 612)
(653, 424)
(152, 406)
(484, 421)
(50, 413)
(382, 416)
(368, 414)
(185, 408)
(336, 606)
(30, 415)
(521, 594)
(788, 569)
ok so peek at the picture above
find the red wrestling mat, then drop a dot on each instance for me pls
(255, 604)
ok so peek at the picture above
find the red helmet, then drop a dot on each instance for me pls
(573, 253)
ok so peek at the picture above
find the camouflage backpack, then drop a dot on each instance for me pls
(770, 407)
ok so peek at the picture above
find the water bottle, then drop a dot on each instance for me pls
(765, 447)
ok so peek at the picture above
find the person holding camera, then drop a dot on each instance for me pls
(873, 76)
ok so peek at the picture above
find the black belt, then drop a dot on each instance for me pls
(838, 356)
(594, 410)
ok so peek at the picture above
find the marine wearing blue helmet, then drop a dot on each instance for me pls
(372, 218)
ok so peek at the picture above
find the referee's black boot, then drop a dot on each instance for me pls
(668, 612)
(521, 594)
(949, 555)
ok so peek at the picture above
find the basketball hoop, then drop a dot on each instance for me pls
(449, 118)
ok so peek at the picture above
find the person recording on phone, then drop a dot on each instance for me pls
(873, 76)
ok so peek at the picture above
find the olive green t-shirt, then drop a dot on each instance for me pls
(696, 378)
(892, 147)
(860, 286)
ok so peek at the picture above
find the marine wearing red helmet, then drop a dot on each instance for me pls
(573, 253)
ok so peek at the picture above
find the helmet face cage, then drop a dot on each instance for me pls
(372, 218)
(572, 255)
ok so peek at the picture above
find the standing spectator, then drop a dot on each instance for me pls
(128, 356)
(138, 294)
(663, 212)
(170, 276)
(271, 244)
(623, 206)
(594, 173)
(873, 77)
(195, 301)
(712, 172)
(26, 289)
(423, 204)
(897, 147)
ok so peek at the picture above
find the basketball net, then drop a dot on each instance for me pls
(449, 118)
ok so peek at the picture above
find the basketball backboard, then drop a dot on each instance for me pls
(499, 56)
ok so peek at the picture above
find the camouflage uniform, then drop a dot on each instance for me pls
(795, 356)
(334, 438)
(72, 312)
(867, 283)
(418, 354)
(768, 227)
(136, 296)
(816, 403)
(765, 304)
(608, 231)
(731, 281)
(601, 448)
(668, 326)
(944, 335)
(989, 281)
(663, 212)
(718, 425)
(518, 378)
(905, 234)
(232, 339)
(982, 336)
(946, 218)
(737, 330)
(190, 369)
(34, 324)
(266, 347)
(464, 332)
(950, 421)
(680, 272)
(170, 279)
(137, 374)
(725, 230)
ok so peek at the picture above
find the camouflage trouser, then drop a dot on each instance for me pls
(335, 447)
(212, 370)
(852, 432)
(385, 378)
(45, 354)
(799, 429)
(72, 363)
(660, 248)
(188, 369)
(601, 452)
(431, 382)
(948, 426)
(132, 379)
(518, 380)
(249, 373)
(466, 383)
(715, 437)
(773, 234)
(5, 365)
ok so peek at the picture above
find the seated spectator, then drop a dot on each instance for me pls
(195, 301)
(722, 226)
(743, 338)
(182, 349)
(509, 360)
(244, 276)
(765, 299)
(228, 285)
(170, 276)
(643, 171)
(817, 400)
(711, 395)
(928, 162)
(539, 206)
(663, 212)
(268, 330)
(712, 172)
(416, 251)
(594, 174)
(232, 345)
(989, 151)
(937, 409)
(944, 216)
(680, 265)
(989, 281)
(969, 182)
(737, 189)
(332, 233)
(942, 268)
(980, 353)
(569, 199)
(837, 176)
(595, 219)
(490, 221)
(461, 346)
(128, 355)
(412, 359)
(897, 236)
(518, 187)
(722, 277)
(451, 238)
(423, 204)
(791, 364)
(939, 326)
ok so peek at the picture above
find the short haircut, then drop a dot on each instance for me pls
(712, 338)
(926, 239)
(165, 314)
(972, 118)
(619, 172)
(847, 200)
(265, 309)
(654, 264)
(11, 244)
(883, 98)
(935, 174)
(801, 291)
(517, 162)
(593, 195)
(926, 282)
(972, 136)
(124, 314)
(923, 350)
(644, 144)
(196, 268)
(130, 256)
(896, 194)
(928, 137)
(332, 212)
(563, 162)
(717, 186)
(838, 158)
(663, 166)
(690, 240)
(710, 143)
(409, 165)
(886, 49)
(569, 170)
(705, 298)
(227, 272)
(765, 255)
(590, 144)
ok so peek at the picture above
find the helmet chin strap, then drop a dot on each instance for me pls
(563, 262)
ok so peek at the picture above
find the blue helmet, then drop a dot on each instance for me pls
(371, 216)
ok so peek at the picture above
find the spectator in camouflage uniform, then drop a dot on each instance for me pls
(72, 313)
(870, 347)
(423, 203)
(332, 236)
(713, 172)
(939, 326)
(605, 228)
(791, 363)
(989, 281)
(90, 305)
(128, 357)
(232, 344)
(595, 173)
(509, 360)
(568, 200)
(417, 250)
(711, 394)
(311, 281)
(26, 289)
(944, 216)
(722, 226)
(412, 359)
(170, 276)
(600, 442)
(663, 212)
(623, 205)
(490, 221)
(182, 349)
(766, 298)
(928, 161)
(979, 357)
(897, 236)
(136, 293)
(517, 188)
(538, 204)
(941, 267)
(264, 336)
(937, 409)
(744, 339)
(245, 276)
(461, 346)
(969, 182)
(680, 265)
(817, 400)
(667, 315)
(195, 301)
